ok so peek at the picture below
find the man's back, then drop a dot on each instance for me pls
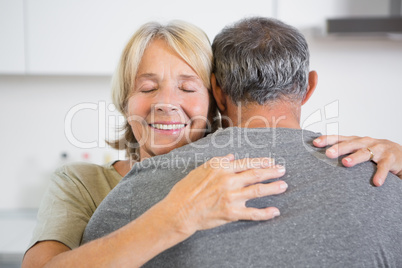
(330, 215)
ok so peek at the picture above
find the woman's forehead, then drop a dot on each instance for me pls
(159, 58)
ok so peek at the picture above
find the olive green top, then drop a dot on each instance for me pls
(74, 193)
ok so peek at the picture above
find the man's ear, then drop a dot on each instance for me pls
(218, 94)
(312, 84)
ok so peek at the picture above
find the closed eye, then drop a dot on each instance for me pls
(188, 90)
(148, 90)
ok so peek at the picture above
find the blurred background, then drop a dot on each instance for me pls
(57, 58)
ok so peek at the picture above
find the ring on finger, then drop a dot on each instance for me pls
(371, 153)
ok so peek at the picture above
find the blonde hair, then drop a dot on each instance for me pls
(187, 40)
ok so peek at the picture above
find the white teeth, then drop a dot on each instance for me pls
(167, 127)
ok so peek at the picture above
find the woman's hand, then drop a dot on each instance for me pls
(216, 192)
(387, 154)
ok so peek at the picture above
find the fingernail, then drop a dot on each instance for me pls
(317, 140)
(380, 181)
(268, 162)
(280, 168)
(283, 185)
(331, 150)
(347, 159)
(276, 214)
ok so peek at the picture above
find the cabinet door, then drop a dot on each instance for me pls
(87, 36)
(12, 57)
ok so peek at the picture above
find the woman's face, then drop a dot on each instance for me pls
(168, 106)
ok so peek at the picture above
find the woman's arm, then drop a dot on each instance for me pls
(211, 195)
(387, 154)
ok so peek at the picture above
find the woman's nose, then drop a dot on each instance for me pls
(166, 108)
(167, 101)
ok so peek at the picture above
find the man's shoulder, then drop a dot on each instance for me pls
(243, 142)
(236, 138)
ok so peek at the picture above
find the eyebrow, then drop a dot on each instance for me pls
(147, 75)
(189, 77)
(182, 76)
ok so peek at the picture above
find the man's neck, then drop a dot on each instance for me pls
(278, 115)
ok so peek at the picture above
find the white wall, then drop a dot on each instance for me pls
(359, 83)
(364, 76)
(33, 111)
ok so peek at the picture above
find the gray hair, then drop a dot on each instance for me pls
(261, 60)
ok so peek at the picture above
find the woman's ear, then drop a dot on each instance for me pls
(218, 94)
(312, 84)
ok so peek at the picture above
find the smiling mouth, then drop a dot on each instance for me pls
(168, 126)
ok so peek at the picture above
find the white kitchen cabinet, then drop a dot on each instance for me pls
(87, 36)
(12, 57)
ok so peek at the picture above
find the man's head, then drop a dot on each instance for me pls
(261, 61)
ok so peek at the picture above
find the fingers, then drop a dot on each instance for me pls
(357, 148)
(263, 189)
(256, 214)
(240, 180)
(253, 176)
(215, 194)
(244, 164)
(350, 146)
(326, 140)
(360, 156)
(383, 167)
(230, 165)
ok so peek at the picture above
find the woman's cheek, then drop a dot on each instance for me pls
(139, 107)
(138, 110)
(198, 110)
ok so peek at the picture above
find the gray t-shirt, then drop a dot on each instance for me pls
(331, 216)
